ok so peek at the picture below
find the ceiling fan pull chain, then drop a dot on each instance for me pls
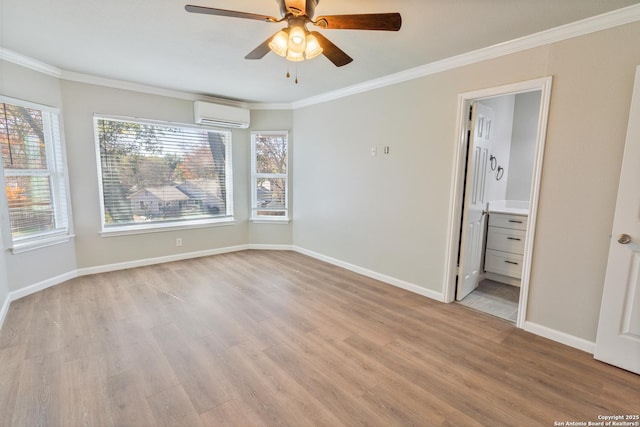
(296, 73)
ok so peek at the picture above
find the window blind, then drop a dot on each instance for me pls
(269, 184)
(33, 171)
(154, 173)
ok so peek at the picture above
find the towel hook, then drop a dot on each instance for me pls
(500, 173)
(493, 162)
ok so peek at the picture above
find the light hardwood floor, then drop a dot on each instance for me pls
(277, 338)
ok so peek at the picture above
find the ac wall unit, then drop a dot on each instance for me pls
(206, 113)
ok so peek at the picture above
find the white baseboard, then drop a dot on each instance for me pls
(4, 309)
(32, 289)
(261, 247)
(438, 296)
(561, 337)
(159, 260)
(532, 327)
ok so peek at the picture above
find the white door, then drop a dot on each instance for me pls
(618, 339)
(473, 216)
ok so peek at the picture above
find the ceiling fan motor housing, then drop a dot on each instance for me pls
(298, 7)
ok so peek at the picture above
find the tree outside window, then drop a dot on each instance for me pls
(154, 173)
(269, 152)
(33, 170)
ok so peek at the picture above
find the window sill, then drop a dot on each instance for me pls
(282, 221)
(32, 245)
(158, 228)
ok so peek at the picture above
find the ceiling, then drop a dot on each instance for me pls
(157, 43)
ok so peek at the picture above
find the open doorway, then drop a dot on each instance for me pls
(499, 163)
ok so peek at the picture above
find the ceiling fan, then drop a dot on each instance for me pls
(295, 42)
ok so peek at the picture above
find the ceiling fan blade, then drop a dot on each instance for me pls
(230, 13)
(331, 51)
(260, 51)
(370, 21)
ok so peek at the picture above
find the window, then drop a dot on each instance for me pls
(269, 180)
(34, 173)
(157, 175)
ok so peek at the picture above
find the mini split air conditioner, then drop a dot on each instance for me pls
(206, 113)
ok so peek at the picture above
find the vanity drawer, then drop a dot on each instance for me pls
(506, 240)
(518, 222)
(503, 263)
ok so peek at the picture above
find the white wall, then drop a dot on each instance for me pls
(502, 107)
(523, 145)
(390, 213)
(29, 268)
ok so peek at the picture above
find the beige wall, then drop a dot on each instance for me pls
(89, 249)
(38, 265)
(586, 134)
(387, 213)
(81, 102)
(390, 213)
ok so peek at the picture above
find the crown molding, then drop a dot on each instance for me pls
(27, 62)
(126, 85)
(575, 29)
(270, 106)
(142, 88)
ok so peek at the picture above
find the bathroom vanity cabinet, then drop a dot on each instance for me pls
(505, 247)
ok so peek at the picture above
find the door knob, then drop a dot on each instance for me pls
(624, 239)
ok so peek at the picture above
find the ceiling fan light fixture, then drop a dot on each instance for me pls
(294, 56)
(297, 40)
(279, 43)
(294, 42)
(313, 47)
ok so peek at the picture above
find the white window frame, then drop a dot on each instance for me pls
(108, 230)
(255, 176)
(58, 177)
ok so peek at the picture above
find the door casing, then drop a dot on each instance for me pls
(455, 209)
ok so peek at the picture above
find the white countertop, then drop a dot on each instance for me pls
(512, 207)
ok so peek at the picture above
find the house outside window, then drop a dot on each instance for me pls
(33, 174)
(158, 175)
(269, 177)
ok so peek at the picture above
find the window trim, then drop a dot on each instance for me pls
(154, 227)
(57, 172)
(267, 219)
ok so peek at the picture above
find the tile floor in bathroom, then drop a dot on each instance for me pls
(494, 298)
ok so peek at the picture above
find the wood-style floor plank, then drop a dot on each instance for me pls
(37, 402)
(172, 408)
(260, 338)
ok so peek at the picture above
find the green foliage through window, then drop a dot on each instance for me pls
(33, 170)
(270, 175)
(156, 173)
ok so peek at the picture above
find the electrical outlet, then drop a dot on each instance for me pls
(179, 241)
(386, 150)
